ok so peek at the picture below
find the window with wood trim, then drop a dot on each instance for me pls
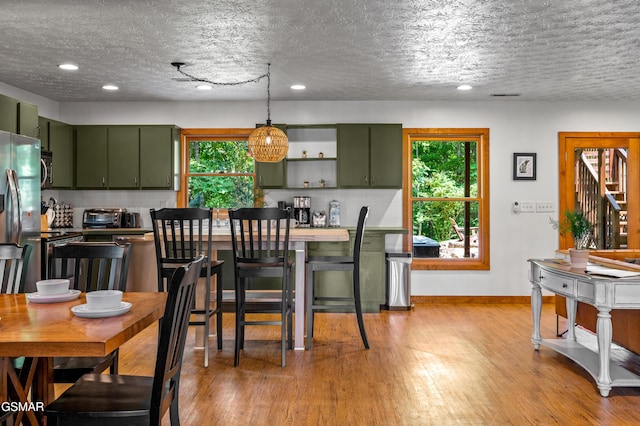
(217, 170)
(446, 197)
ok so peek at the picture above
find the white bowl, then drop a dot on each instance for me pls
(49, 287)
(103, 299)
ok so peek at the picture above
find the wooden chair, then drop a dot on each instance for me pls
(13, 261)
(90, 267)
(137, 400)
(337, 303)
(459, 230)
(181, 235)
(260, 241)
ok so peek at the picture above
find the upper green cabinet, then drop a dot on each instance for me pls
(123, 160)
(370, 155)
(18, 117)
(57, 137)
(28, 119)
(272, 175)
(91, 157)
(127, 157)
(159, 157)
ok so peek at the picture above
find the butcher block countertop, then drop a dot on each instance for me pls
(295, 234)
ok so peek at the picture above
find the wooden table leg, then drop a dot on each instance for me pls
(15, 387)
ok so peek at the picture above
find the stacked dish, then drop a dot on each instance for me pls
(52, 291)
(102, 304)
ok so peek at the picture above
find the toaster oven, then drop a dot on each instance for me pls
(103, 218)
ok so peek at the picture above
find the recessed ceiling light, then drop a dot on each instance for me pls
(298, 87)
(110, 87)
(68, 67)
(204, 87)
(465, 87)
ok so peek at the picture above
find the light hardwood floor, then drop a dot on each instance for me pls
(446, 364)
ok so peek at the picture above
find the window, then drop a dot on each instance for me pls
(217, 170)
(446, 197)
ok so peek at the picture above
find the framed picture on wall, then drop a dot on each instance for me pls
(524, 166)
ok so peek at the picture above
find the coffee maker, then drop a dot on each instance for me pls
(302, 211)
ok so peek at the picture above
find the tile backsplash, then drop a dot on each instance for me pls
(133, 201)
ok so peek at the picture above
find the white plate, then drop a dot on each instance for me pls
(84, 312)
(53, 298)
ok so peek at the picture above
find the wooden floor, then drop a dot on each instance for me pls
(435, 365)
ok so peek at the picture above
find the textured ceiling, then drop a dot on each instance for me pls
(339, 49)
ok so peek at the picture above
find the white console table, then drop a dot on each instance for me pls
(605, 293)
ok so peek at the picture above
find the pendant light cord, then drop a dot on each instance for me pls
(178, 65)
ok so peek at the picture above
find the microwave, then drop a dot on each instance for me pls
(46, 169)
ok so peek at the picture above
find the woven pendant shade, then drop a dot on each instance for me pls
(268, 144)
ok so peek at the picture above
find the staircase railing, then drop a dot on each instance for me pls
(595, 201)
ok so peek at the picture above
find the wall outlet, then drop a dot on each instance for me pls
(527, 207)
(545, 206)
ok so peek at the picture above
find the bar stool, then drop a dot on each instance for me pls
(337, 303)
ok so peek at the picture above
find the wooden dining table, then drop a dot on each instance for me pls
(298, 239)
(40, 332)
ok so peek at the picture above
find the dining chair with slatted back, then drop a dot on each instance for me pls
(260, 244)
(89, 266)
(13, 259)
(180, 235)
(137, 400)
(329, 303)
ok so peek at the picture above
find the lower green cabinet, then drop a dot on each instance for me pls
(372, 270)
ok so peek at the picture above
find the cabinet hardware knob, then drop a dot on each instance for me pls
(564, 285)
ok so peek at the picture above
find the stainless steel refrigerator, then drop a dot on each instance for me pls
(20, 199)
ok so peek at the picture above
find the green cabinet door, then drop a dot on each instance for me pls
(158, 154)
(372, 270)
(43, 133)
(386, 156)
(60, 143)
(8, 114)
(91, 152)
(271, 175)
(353, 155)
(28, 119)
(123, 157)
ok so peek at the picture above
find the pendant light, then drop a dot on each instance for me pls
(268, 144)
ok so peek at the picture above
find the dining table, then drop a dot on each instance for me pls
(38, 332)
(298, 239)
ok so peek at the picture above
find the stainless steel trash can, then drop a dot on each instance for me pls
(398, 292)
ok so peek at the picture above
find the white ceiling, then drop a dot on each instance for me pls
(339, 49)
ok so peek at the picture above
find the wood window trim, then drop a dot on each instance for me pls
(188, 135)
(567, 144)
(482, 262)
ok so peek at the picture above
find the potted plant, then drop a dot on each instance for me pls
(578, 226)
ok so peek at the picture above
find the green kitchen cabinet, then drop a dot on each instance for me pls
(8, 114)
(43, 133)
(369, 155)
(372, 270)
(28, 119)
(91, 157)
(159, 157)
(59, 138)
(19, 117)
(123, 162)
(272, 175)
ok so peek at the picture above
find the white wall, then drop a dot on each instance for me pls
(515, 126)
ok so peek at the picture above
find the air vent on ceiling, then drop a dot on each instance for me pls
(505, 95)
